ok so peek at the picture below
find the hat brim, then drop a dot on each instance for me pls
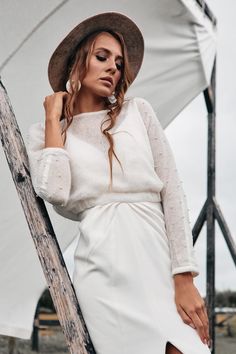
(58, 64)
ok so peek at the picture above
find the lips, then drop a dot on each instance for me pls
(107, 78)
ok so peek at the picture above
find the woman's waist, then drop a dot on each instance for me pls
(74, 209)
(119, 197)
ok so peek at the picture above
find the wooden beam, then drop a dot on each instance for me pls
(50, 256)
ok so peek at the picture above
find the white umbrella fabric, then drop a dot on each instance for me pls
(180, 46)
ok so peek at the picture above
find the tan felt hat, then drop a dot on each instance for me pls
(60, 59)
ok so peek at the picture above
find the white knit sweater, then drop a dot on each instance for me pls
(76, 177)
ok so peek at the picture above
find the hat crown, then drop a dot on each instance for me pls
(108, 21)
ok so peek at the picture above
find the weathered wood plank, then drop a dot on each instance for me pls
(50, 256)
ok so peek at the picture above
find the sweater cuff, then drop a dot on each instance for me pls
(55, 151)
(190, 268)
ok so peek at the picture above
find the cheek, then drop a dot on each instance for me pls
(93, 69)
(117, 76)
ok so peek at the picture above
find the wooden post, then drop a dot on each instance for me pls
(35, 333)
(50, 256)
(11, 345)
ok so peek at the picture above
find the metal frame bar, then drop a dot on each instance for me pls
(211, 209)
(205, 8)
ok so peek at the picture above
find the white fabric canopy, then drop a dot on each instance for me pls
(180, 46)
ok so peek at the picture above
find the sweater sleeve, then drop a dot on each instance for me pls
(174, 202)
(49, 167)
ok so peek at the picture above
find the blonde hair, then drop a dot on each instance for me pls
(78, 68)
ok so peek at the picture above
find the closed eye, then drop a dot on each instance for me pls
(119, 66)
(100, 58)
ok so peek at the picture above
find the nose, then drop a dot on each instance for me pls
(112, 66)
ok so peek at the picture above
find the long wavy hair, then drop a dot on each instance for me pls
(78, 68)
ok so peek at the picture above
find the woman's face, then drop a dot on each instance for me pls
(105, 61)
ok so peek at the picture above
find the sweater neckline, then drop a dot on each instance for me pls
(90, 113)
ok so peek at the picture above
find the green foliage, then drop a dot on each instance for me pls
(225, 298)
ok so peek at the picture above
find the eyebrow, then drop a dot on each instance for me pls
(108, 51)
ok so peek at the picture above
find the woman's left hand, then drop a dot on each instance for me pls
(190, 305)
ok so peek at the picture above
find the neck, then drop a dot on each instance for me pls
(86, 102)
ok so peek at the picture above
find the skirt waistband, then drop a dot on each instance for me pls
(75, 212)
(119, 197)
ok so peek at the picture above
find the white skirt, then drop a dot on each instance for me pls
(123, 282)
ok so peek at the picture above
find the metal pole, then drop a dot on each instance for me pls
(210, 217)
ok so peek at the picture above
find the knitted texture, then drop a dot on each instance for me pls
(172, 194)
(76, 177)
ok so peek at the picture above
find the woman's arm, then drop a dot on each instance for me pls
(189, 302)
(48, 159)
(53, 105)
(173, 198)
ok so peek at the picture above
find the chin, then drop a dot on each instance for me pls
(105, 90)
(104, 93)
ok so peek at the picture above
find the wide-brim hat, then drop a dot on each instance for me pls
(114, 21)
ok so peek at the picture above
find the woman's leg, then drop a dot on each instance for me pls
(170, 349)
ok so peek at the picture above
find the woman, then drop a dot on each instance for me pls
(104, 161)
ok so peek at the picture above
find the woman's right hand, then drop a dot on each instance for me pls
(53, 105)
